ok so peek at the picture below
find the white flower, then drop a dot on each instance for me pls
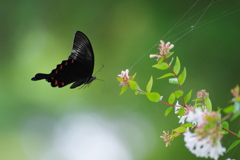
(187, 109)
(202, 148)
(124, 74)
(182, 119)
(205, 140)
(195, 117)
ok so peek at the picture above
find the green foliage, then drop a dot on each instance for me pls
(234, 144)
(133, 84)
(180, 129)
(239, 134)
(208, 103)
(166, 75)
(229, 109)
(132, 77)
(188, 97)
(197, 99)
(173, 80)
(162, 66)
(124, 88)
(149, 85)
(136, 92)
(160, 60)
(182, 76)
(235, 116)
(188, 125)
(225, 125)
(168, 110)
(153, 96)
(119, 79)
(171, 98)
(177, 66)
(178, 93)
(181, 111)
(169, 55)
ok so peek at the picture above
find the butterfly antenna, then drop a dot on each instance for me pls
(99, 70)
(103, 82)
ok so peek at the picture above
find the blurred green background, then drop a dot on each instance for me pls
(38, 122)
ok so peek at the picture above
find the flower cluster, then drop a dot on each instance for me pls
(205, 140)
(164, 49)
(201, 127)
(167, 138)
(123, 78)
(202, 94)
(186, 111)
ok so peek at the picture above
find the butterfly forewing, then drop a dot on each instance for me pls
(82, 50)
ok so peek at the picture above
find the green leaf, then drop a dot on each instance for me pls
(175, 135)
(239, 134)
(161, 66)
(177, 66)
(181, 111)
(119, 79)
(124, 88)
(171, 98)
(166, 75)
(173, 80)
(180, 129)
(160, 60)
(188, 125)
(178, 93)
(198, 104)
(132, 77)
(149, 85)
(188, 97)
(233, 145)
(169, 55)
(153, 96)
(133, 84)
(136, 92)
(235, 116)
(229, 109)
(225, 125)
(182, 76)
(168, 111)
(197, 99)
(208, 103)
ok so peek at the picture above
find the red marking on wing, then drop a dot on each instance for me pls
(56, 71)
(52, 77)
(72, 60)
(66, 63)
(55, 82)
(61, 67)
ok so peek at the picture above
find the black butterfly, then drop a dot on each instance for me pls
(78, 68)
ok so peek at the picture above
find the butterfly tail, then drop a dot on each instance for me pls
(40, 76)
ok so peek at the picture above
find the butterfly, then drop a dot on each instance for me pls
(78, 68)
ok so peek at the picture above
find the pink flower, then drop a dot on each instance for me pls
(164, 49)
(202, 94)
(124, 77)
(167, 138)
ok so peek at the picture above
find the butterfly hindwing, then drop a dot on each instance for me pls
(78, 68)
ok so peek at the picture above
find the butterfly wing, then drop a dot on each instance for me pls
(82, 52)
(78, 68)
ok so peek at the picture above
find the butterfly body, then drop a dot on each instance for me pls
(78, 68)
